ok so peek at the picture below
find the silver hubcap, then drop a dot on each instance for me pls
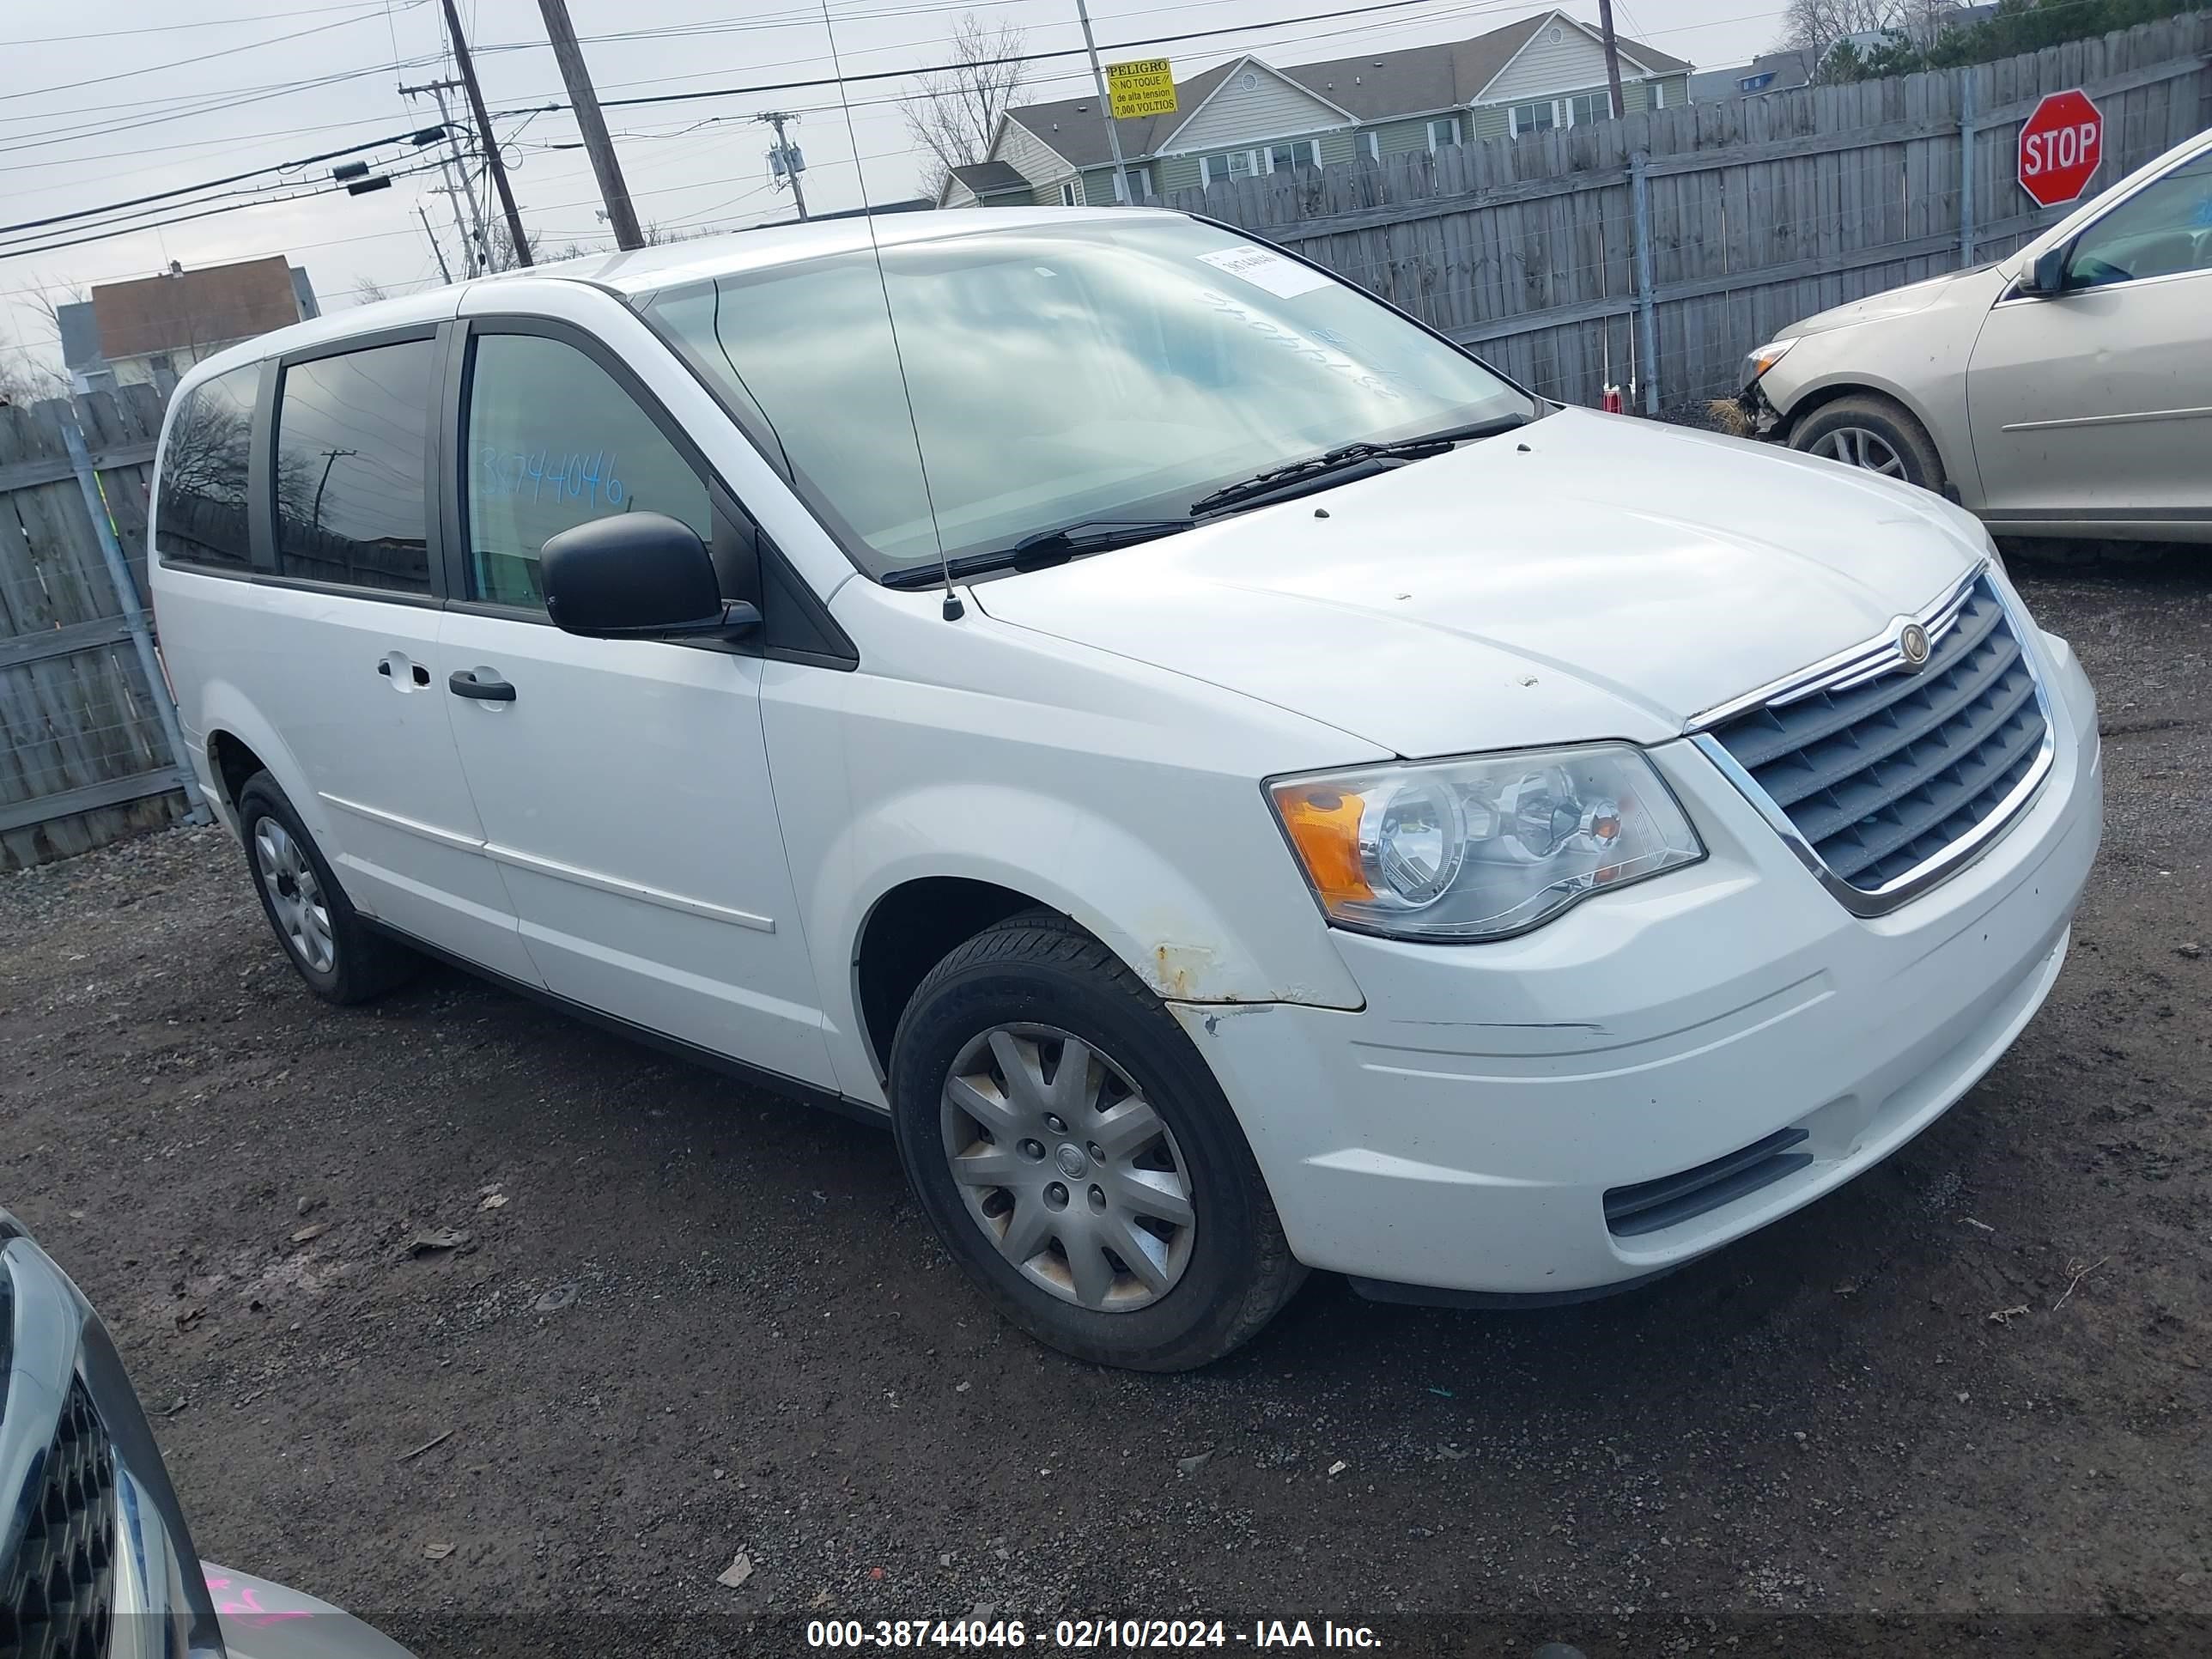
(1066, 1168)
(1854, 445)
(302, 915)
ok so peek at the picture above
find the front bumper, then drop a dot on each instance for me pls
(1463, 1130)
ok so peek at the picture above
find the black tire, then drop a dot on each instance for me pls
(1040, 969)
(365, 964)
(1887, 420)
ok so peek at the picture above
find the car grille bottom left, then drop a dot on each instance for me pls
(56, 1596)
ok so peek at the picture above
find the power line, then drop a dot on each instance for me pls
(179, 63)
(424, 135)
(205, 23)
(186, 218)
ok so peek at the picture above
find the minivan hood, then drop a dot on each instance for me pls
(1891, 302)
(1587, 576)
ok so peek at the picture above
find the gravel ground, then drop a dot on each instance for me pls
(1959, 1403)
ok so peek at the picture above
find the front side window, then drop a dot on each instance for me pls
(1443, 131)
(2162, 230)
(205, 458)
(1113, 370)
(351, 496)
(552, 442)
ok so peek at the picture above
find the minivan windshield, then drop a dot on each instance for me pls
(1079, 374)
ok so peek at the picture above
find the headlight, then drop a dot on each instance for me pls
(1464, 850)
(1765, 358)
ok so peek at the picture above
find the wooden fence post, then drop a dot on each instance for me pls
(1647, 329)
(1967, 78)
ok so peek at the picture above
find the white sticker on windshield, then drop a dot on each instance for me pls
(1264, 268)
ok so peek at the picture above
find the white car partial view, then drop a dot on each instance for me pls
(1237, 785)
(2063, 394)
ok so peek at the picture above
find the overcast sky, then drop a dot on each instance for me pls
(101, 100)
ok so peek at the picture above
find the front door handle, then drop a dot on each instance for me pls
(464, 683)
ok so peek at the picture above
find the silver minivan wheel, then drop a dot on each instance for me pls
(1855, 445)
(296, 897)
(1066, 1168)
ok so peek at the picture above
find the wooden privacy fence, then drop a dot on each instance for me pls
(1656, 250)
(88, 743)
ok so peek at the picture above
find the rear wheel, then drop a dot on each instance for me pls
(341, 959)
(1873, 433)
(1076, 1157)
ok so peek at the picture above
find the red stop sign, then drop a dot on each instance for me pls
(2060, 146)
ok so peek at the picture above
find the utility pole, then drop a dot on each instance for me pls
(589, 122)
(483, 132)
(1106, 107)
(444, 271)
(1612, 55)
(785, 161)
(474, 241)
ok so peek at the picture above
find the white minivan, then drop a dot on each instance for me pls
(1238, 785)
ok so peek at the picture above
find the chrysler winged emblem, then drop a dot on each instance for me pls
(1912, 645)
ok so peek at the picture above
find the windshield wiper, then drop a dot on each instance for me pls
(1045, 547)
(1293, 478)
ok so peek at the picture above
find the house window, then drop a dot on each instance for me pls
(1659, 95)
(1588, 107)
(1444, 129)
(1300, 153)
(1374, 145)
(1231, 164)
(1141, 180)
(1067, 193)
(1534, 118)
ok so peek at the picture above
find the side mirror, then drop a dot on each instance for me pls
(637, 576)
(2046, 278)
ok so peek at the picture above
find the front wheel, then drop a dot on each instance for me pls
(1078, 1159)
(1873, 433)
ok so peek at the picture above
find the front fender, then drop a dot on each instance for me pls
(1166, 911)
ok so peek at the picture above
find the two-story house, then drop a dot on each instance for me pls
(1246, 117)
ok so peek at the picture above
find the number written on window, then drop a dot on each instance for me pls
(553, 442)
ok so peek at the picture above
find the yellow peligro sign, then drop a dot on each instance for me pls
(1144, 88)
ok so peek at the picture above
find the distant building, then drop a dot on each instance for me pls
(1246, 117)
(150, 330)
(1768, 73)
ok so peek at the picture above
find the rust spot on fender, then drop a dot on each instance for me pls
(1181, 971)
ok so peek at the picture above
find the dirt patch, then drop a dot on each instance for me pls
(1965, 1395)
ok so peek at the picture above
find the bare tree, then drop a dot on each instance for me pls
(48, 299)
(1814, 27)
(367, 291)
(25, 378)
(957, 109)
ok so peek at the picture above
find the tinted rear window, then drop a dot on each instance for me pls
(203, 467)
(350, 437)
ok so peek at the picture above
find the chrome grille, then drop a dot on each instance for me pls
(1886, 775)
(56, 1595)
